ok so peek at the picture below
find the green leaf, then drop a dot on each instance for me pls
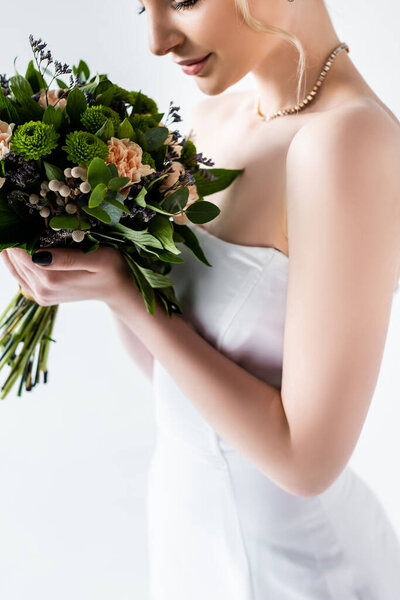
(118, 204)
(83, 69)
(156, 280)
(225, 178)
(116, 183)
(139, 199)
(162, 228)
(157, 208)
(202, 211)
(98, 172)
(144, 287)
(8, 112)
(34, 78)
(106, 131)
(155, 137)
(53, 172)
(92, 85)
(61, 84)
(53, 116)
(125, 129)
(68, 222)
(23, 93)
(11, 226)
(191, 242)
(98, 194)
(113, 169)
(76, 105)
(177, 200)
(141, 238)
(98, 212)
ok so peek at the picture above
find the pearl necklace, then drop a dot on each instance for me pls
(311, 95)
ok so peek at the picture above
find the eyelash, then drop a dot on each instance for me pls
(178, 6)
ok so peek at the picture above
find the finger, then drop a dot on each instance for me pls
(72, 259)
(15, 272)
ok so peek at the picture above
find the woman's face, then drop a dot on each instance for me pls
(196, 28)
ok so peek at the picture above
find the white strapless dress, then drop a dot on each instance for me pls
(218, 528)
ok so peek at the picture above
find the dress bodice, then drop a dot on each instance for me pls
(238, 304)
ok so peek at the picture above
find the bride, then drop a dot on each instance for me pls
(263, 385)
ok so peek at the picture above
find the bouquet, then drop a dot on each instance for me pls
(88, 164)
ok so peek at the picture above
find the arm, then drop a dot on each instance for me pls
(343, 189)
(338, 307)
(135, 348)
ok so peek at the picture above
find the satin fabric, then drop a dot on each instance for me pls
(218, 528)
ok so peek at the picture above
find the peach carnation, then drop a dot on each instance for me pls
(52, 98)
(127, 157)
(5, 135)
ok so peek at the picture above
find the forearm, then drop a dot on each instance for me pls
(135, 348)
(247, 412)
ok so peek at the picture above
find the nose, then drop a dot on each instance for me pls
(163, 35)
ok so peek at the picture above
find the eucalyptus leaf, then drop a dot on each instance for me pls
(113, 169)
(98, 194)
(202, 211)
(68, 222)
(176, 201)
(116, 183)
(155, 137)
(98, 172)
(98, 212)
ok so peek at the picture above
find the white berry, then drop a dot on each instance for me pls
(60, 202)
(54, 185)
(43, 193)
(64, 191)
(85, 187)
(78, 235)
(45, 186)
(34, 198)
(45, 211)
(70, 208)
(76, 172)
(67, 172)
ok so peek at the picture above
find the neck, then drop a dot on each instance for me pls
(276, 71)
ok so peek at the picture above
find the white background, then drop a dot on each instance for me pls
(74, 453)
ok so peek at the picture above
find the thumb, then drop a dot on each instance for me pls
(66, 259)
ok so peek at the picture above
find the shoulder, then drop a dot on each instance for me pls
(345, 141)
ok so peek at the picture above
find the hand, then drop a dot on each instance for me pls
(102, 274)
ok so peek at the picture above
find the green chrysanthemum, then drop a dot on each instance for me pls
(95, 116)
(143, 122)
(188, 154)
(82, 146)
(34, 139)
(147, 159)
(140, 102)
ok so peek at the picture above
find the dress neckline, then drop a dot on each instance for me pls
(224, 242)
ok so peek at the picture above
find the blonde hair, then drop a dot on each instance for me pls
(243, 7)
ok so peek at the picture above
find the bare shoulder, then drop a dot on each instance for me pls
(358, 131)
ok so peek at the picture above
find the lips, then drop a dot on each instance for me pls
(195, 67)
(191, 61)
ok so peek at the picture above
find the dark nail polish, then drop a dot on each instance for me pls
(42, 258)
